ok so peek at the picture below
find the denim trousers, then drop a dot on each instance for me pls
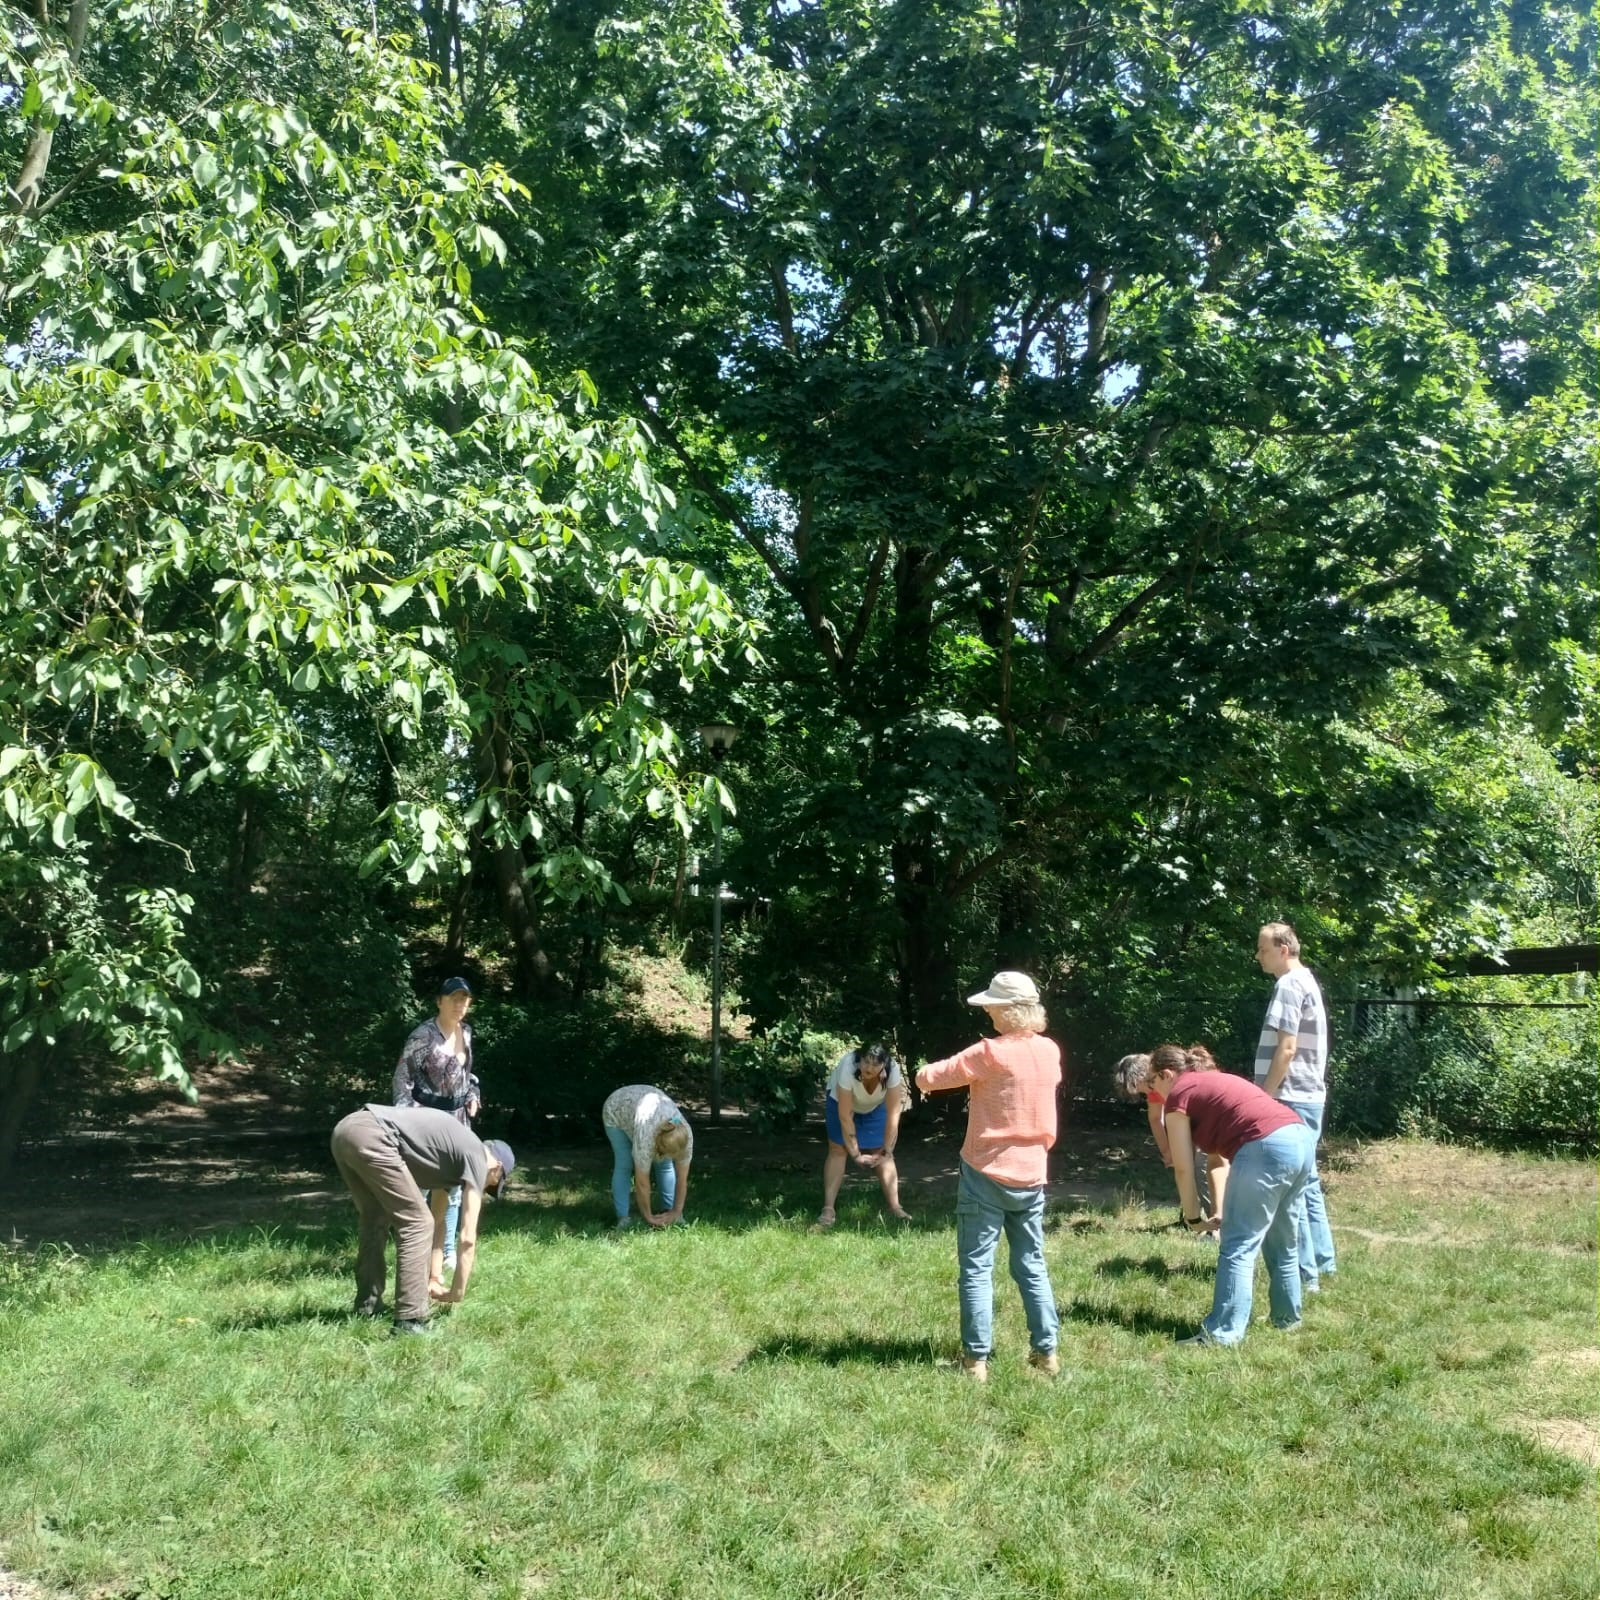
(983, 1209)
(1268, 1176)
(1313, 1236)
(452, 1222)
(666, 1174)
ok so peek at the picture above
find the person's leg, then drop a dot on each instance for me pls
(978, 1224)
(372, 1220)
(621, 1171)
(1266, 1175)
(889, 1177)
(667, 1183)
(1314, 1237)
(1280, 1246)
(398, 1203)
(1244, 1225)
(832, 1177)
(452, 1221)
(1024, 1223)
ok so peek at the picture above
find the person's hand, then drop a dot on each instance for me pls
(473, 1108)
(1211, 1225)
(1166, 1158)
(659, 1222)
(436, 1287)
(870, 1159)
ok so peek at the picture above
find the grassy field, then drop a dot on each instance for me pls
(743, 1408)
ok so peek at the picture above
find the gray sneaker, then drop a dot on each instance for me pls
(405, 1327)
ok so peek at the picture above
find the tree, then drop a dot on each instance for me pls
(1115, 411)
(272, 490)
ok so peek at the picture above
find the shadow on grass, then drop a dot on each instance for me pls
(301, 1315)
(1135, 1321)
(1154, 1267)
(846, 1352)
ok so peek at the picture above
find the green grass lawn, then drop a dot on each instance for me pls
(745, 1408)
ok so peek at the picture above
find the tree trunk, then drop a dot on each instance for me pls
(531, 963)
(930, 1008)
(20, 1077)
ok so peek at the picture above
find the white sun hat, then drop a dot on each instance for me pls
(1007, 989)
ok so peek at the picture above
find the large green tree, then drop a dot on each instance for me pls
(277, 505)
(1153, 432)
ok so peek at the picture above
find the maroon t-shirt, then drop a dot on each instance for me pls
(1225, 1112)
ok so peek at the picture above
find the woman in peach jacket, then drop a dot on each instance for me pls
(1011, 1125)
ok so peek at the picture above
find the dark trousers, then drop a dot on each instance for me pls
(386, 1196)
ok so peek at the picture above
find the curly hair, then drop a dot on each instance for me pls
(1025, 1016)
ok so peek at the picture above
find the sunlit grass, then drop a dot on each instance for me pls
(746, 1408)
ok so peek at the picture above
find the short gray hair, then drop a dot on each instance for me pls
(1026, 1016)
(1282, 935)
(1129, 1075)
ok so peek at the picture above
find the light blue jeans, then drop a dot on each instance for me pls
(1313, 1236)
(622, 1174)
(1266, 1179)
(452, 1221)
(983, 1209)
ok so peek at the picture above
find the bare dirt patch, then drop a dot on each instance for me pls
(1422, 1171)
(1566, 1436)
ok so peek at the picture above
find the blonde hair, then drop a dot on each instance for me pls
(1025, 1016)
(672, 1141)
(1282, 935)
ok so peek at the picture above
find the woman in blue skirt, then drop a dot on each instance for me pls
(862, 1110)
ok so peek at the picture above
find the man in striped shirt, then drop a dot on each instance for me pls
(1292, 1066)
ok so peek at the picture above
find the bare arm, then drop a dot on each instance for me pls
(1158, 1129)
(1183, 1164)
(466, 1241)
(1217, 1175)
(891, 1122)
(438, 1205)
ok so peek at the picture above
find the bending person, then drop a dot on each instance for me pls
(647, 1133)
(862, 1110)
(387, 1155)
(1271, 1154)
(1011, 1124)
(1210, 1169)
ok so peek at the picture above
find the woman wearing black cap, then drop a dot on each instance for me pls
(435, 1072)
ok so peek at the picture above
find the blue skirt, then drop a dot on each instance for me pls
(869, 1124)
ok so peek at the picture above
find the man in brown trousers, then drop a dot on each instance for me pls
(387, 1156)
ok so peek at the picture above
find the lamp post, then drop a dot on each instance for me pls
(718, 739)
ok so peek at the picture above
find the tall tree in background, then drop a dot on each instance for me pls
(275, 503)
(1158, 436)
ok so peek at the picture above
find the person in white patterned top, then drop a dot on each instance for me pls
(648, 1133)
(1292, 1066)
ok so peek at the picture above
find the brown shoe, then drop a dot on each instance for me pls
(975, 1367)
(1045, 1361)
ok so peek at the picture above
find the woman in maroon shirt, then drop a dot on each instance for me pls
(1271, 1155)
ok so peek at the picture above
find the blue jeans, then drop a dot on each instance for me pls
(983, 1208)
(1313, 1236)
(452, 1221)
(622, 1174)
(1268, 1176)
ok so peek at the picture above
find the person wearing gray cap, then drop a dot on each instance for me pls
(387, 1155)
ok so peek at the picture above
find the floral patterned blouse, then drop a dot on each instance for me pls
(430, 1074)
